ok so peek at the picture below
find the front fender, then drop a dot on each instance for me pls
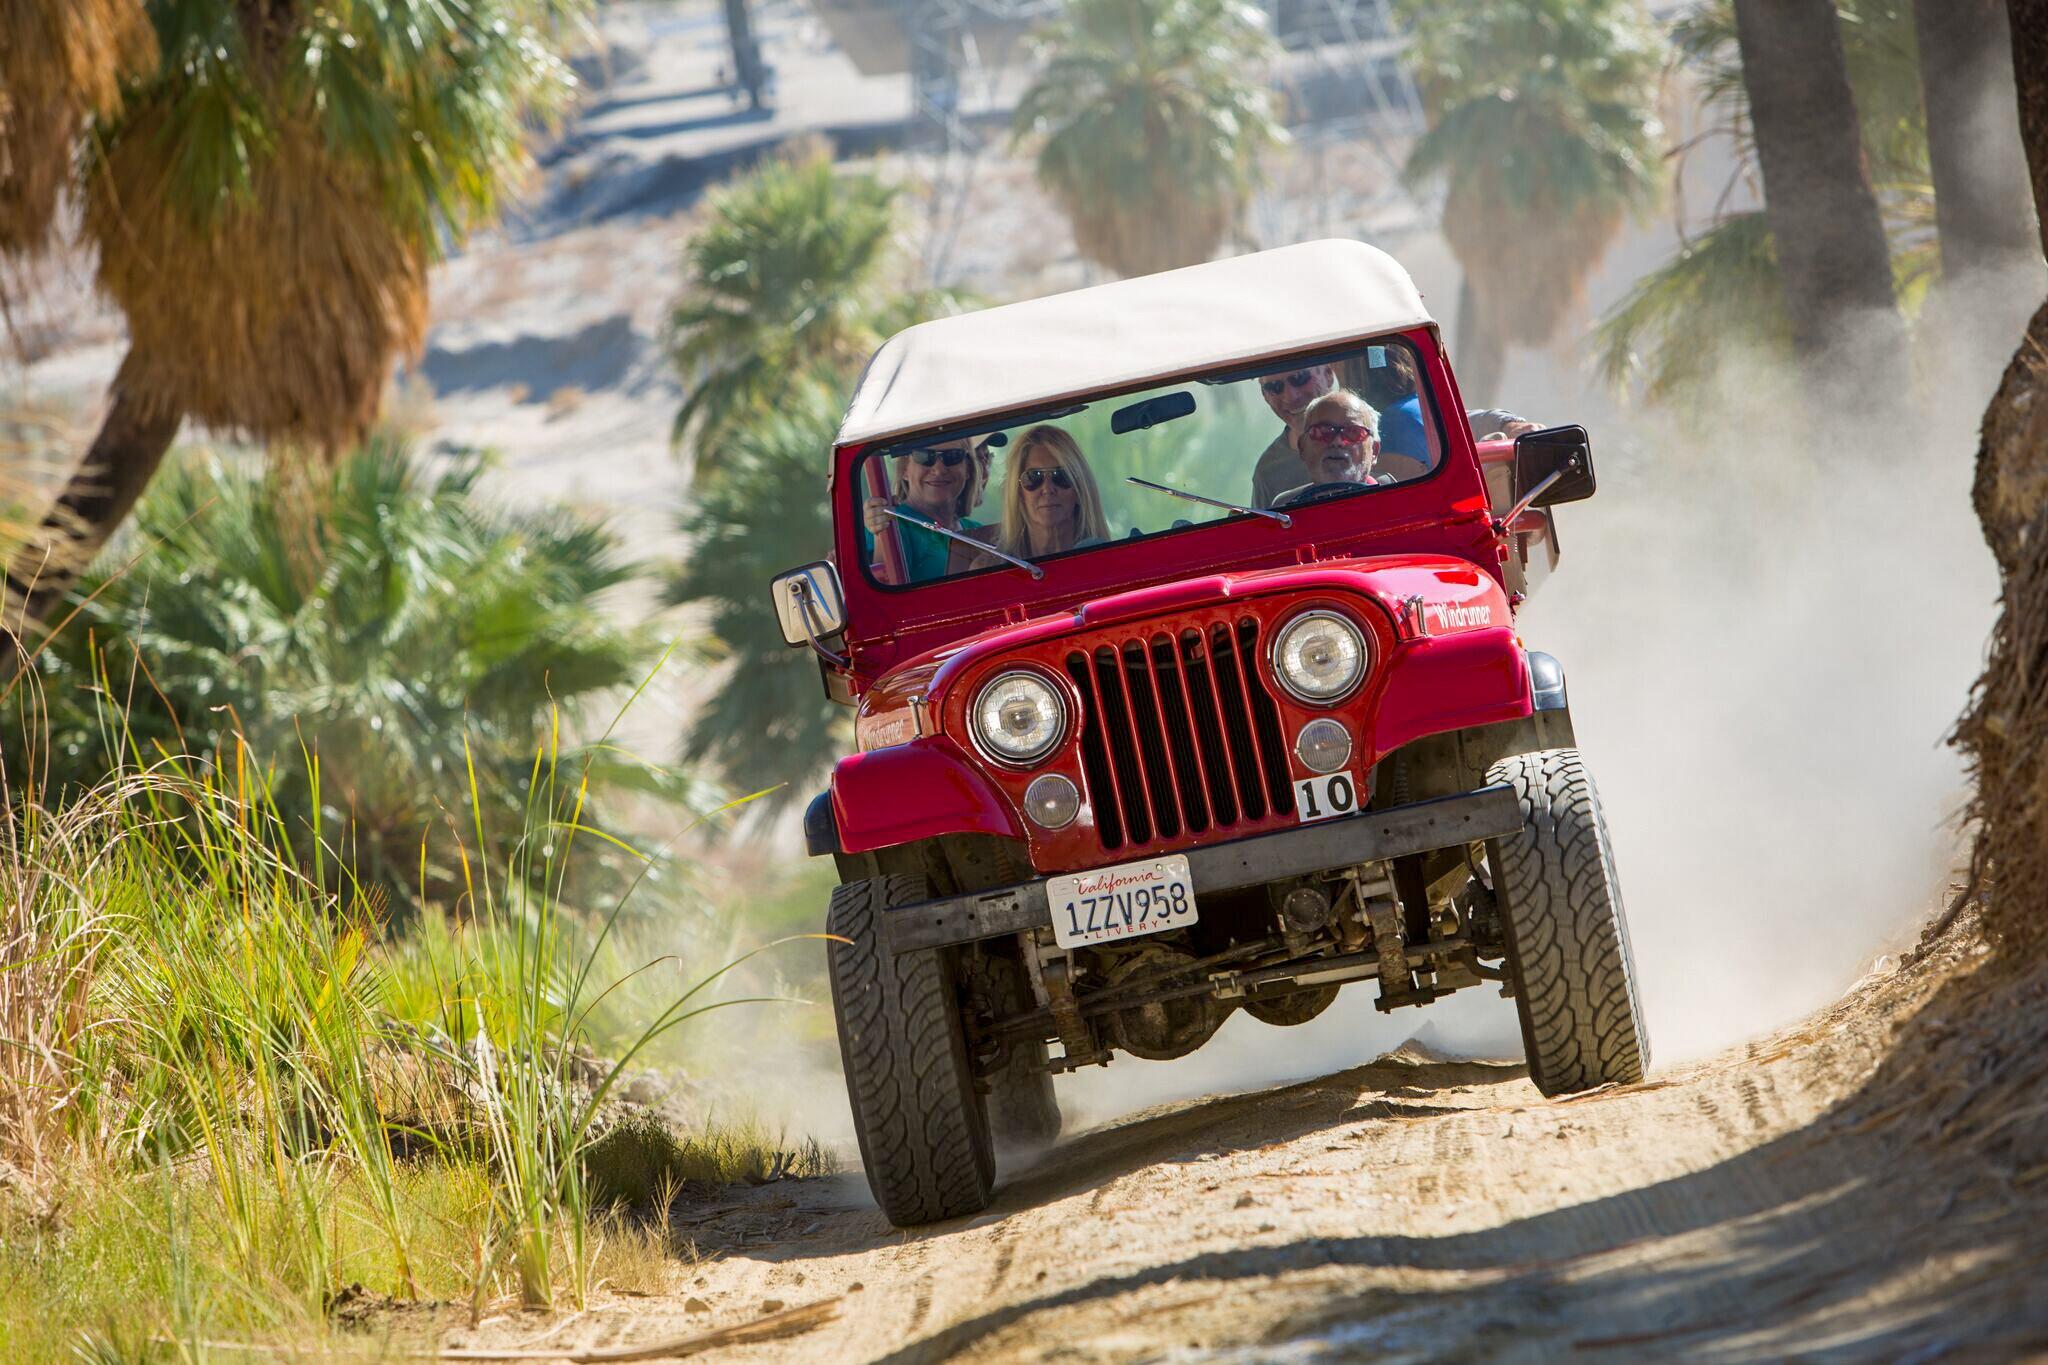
(919, 790)
(1450, 682)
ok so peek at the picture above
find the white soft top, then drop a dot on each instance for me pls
(1122, 335)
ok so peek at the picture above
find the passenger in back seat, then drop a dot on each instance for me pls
(1386, 376)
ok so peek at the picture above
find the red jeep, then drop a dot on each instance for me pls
(1140, 744)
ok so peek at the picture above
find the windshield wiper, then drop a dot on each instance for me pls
(1280, 517)
(1023, 564)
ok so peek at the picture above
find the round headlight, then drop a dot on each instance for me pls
(1019, 717)
(1319, 657)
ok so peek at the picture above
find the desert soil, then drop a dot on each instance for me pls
(1413, 1208)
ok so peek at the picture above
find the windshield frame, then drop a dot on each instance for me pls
(1070, 404)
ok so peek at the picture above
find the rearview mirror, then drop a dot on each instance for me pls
(1151, 412)
(809, 605)
(1552, 466)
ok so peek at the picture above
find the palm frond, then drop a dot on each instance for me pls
(269, 195)
(1150, 118)
(1543, 133)
(384, 615)
(1718, 297)
(769, 724)
(791, 268)
(61, 63)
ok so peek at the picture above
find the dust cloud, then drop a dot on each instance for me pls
(1768, 618)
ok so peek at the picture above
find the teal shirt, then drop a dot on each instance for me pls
(925, 553)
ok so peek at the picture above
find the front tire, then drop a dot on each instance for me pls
(1567, 937)
(924, 1136)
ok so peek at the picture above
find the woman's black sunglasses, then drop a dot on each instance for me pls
(928, 458)
(1034, 479)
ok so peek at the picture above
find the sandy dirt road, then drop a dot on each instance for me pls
(1744, 1208)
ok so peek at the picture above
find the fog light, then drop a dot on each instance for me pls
(1052, 802)
(1324, 745)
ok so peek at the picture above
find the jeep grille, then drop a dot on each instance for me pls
(1180, 734)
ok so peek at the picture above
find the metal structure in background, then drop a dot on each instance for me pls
(1341, 77)
(957, 47)
(1344, 77)
(1346, 97)
(957, 52)
(1346, 92)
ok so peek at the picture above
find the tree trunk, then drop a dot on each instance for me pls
(1480, 354)
(1832, 254)
(2012, 461)
(2004, 734)
(100, 495)
(2029, 20)
(1981, 201)
(748, 71)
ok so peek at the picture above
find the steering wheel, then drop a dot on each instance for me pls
(1316, 492)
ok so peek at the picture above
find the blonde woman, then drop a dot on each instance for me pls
(940, 484)
(1050, 501)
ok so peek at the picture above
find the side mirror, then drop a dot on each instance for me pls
(1552, 466)
(809, 605)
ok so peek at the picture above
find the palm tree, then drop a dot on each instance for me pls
(264, 204)
(2004, 733)
(394, 622)
(1543, 135)
(769, 724)
(795, 279)
(792, 271)
(1150, 118)
(60, 64)
(1721, 292)
(1833, 258)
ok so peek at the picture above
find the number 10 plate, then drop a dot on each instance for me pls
(1111, 904)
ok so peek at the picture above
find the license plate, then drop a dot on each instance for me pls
(1111, 904)
(1325, 798)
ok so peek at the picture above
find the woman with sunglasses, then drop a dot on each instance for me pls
(1050, 501)
(939, 484)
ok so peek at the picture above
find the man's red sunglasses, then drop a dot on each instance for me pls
(1338, 433)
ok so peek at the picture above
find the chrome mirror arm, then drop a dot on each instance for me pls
(1528, 499)
(806, 606)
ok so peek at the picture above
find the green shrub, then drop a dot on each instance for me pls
(374, 632)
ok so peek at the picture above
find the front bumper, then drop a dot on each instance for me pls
(1368, 837)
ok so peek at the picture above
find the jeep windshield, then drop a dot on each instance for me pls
(1019, 494)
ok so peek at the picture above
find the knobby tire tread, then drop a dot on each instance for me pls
(1567, 933)
(923, 1136)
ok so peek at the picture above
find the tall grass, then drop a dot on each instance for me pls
(202, 1040)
